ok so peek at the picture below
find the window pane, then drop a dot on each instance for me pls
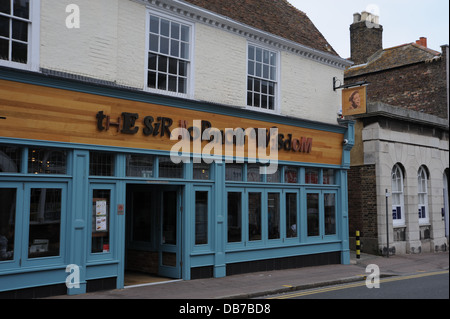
(182, 68)
(5, 6)
(291, 215)
(20, 30)
(312, 202)
(273, 208)
(275, 177)
(311, 176)
(7, 222)
(184, 33)
(169, 169)
(10, 159)
(234, 218)
(4, 26)
(45, 222)
(233, 172)
(201, 171)
(154, 43)
(253, 174)
(172, 84)
(152, 61)
(254, 216)
(162, 81)
(328, 176)
(22, 8)
(164, 45)
(165, 27)
(184, 53)
(154, 25)
(330, 214)
(290, 175)
(101, 164)
(151, 80)
(174, 48)
(175, 31)
(4, 49)
(100, 220)
(140, 165)
(201, 218)
(19, 52)
(47, 161)
(182, 85)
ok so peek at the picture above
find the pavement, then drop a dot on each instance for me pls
(260, 284)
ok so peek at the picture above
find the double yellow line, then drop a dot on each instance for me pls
(353, 285)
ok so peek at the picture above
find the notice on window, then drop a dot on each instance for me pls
(100, 219)
(100, 207)
(100, 223)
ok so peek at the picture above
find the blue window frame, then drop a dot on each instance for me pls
(37, 226)
(103, 221)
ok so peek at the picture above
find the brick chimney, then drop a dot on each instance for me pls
(366, 36)
(422, 41)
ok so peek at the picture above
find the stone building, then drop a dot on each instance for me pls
(401, 143)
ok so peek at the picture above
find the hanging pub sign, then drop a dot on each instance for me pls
(354, 101)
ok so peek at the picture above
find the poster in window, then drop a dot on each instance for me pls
(354, 101)
(100, 219)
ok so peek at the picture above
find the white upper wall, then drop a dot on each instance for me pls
(111, 44)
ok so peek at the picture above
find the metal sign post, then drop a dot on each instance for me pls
(387, 224)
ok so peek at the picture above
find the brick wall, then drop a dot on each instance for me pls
(362, 204)
(420, 87)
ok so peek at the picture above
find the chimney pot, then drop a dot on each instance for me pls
(422, 41)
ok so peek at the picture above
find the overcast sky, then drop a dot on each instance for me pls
(403, 21)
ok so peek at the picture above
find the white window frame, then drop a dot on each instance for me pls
(190, 67)
(276, 108)
(33, 39)
(397, 195)
(422, 192)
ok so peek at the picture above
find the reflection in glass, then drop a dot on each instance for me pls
(45, 222)
(254, 216)
(100, 220)
(234, 217)
(312, 201)
(7, 222)
(201, 218)
(273, 207)
(291, 215)
(330, 214)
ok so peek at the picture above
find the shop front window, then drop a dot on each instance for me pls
(201, 218)
(202, 171)
(291, 215)
(233, 172)
(45, 222)
(312, 204)
(291, 175)
(10, 159)
(234, 217)
(100, 220)
(7, 222)
(47, 161)
(139, 165)
(169, 169)
(311, 176)
(330, 213)
(254, 216)
(273, 207)
(101, 164)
